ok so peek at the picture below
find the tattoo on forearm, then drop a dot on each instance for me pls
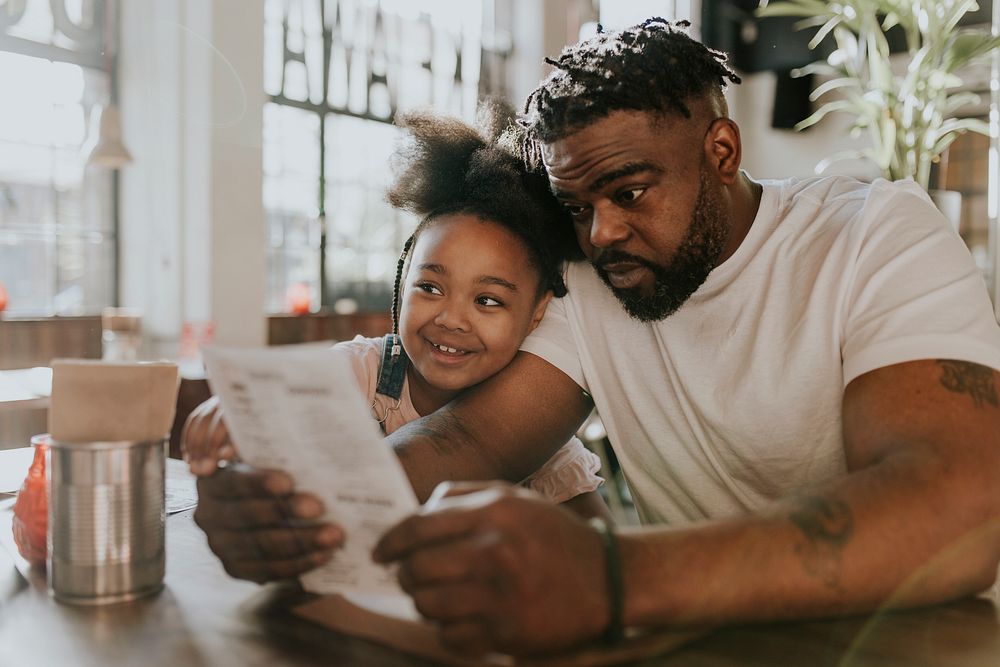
(446, 432)
(964, 377)
(827, 525)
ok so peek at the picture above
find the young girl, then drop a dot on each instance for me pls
(472, 281)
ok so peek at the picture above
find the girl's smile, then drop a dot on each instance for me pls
(470, 296)
(450, 354)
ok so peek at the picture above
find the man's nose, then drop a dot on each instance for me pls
(607, 228)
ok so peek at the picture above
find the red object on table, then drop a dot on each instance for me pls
(299, 299)
(3, 297)
(31, 509)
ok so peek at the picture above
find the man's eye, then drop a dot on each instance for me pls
(575, 210)
(629, 196)
(488, 301)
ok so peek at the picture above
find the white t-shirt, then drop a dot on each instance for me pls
(735, 400)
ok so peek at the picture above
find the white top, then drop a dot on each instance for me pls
(735, 400)
(572, 470)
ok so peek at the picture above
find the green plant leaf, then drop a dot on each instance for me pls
(957, 12)
(819, 67)
(962, 125)
(959, 100)
(824, 31)
(914, 70)
(887, 139)
(968, 45)
(833, 84)
(906, 114)
(941, 80)
(811, 22)
(849, 54)
(890, 22)
(882, 6)
(942, 144)
(823, 111)
(880, 71)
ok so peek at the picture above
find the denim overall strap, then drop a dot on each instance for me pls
(392, 369)
(391, 375)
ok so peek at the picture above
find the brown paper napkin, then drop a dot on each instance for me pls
(104, 401)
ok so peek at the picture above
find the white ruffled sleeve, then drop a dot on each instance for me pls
(571, 471)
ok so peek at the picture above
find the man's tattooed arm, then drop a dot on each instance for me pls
(827, 526)
(963, 377)
(446, 433)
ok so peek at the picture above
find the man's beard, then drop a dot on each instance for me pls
(694, 259)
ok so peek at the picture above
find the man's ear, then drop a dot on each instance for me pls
(723, 149)
(540, 307)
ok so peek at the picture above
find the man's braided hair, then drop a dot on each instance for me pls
(447, 167)
(654, 66)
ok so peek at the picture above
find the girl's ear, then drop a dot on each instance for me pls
(540, 307)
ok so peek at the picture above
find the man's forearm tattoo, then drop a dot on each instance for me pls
(827, 525)
(964, 377)
(446, 432)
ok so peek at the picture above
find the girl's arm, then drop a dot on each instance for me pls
(590, 505)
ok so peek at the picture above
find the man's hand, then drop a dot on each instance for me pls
(501, 569)
(259, 527)
(205, 440)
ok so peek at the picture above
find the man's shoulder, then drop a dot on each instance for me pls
(840, 189)
(842, 204)
(822, 190)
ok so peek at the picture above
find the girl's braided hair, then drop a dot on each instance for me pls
(653, 66)
(446, 166)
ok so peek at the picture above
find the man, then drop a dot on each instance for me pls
(799, 379)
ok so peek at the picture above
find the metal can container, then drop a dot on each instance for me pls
(106, 520)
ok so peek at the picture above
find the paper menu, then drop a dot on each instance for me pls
(300, 410)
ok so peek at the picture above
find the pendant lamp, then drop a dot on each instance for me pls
(109, 151)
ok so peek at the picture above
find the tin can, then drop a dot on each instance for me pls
(106, 520)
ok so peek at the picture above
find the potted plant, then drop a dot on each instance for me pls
(909, 114)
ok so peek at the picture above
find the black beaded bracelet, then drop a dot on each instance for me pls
(616, 594)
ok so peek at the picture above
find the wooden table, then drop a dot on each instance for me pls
(203, 617)
(24, 404)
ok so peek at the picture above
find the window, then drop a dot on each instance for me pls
(57, 220)
(337, 72)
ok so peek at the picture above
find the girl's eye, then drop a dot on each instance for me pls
(629, 196)
(428, 287)
(488, 301)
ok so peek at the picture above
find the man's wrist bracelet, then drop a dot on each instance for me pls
(616, 594)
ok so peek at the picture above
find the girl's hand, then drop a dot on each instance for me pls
(205, 441)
